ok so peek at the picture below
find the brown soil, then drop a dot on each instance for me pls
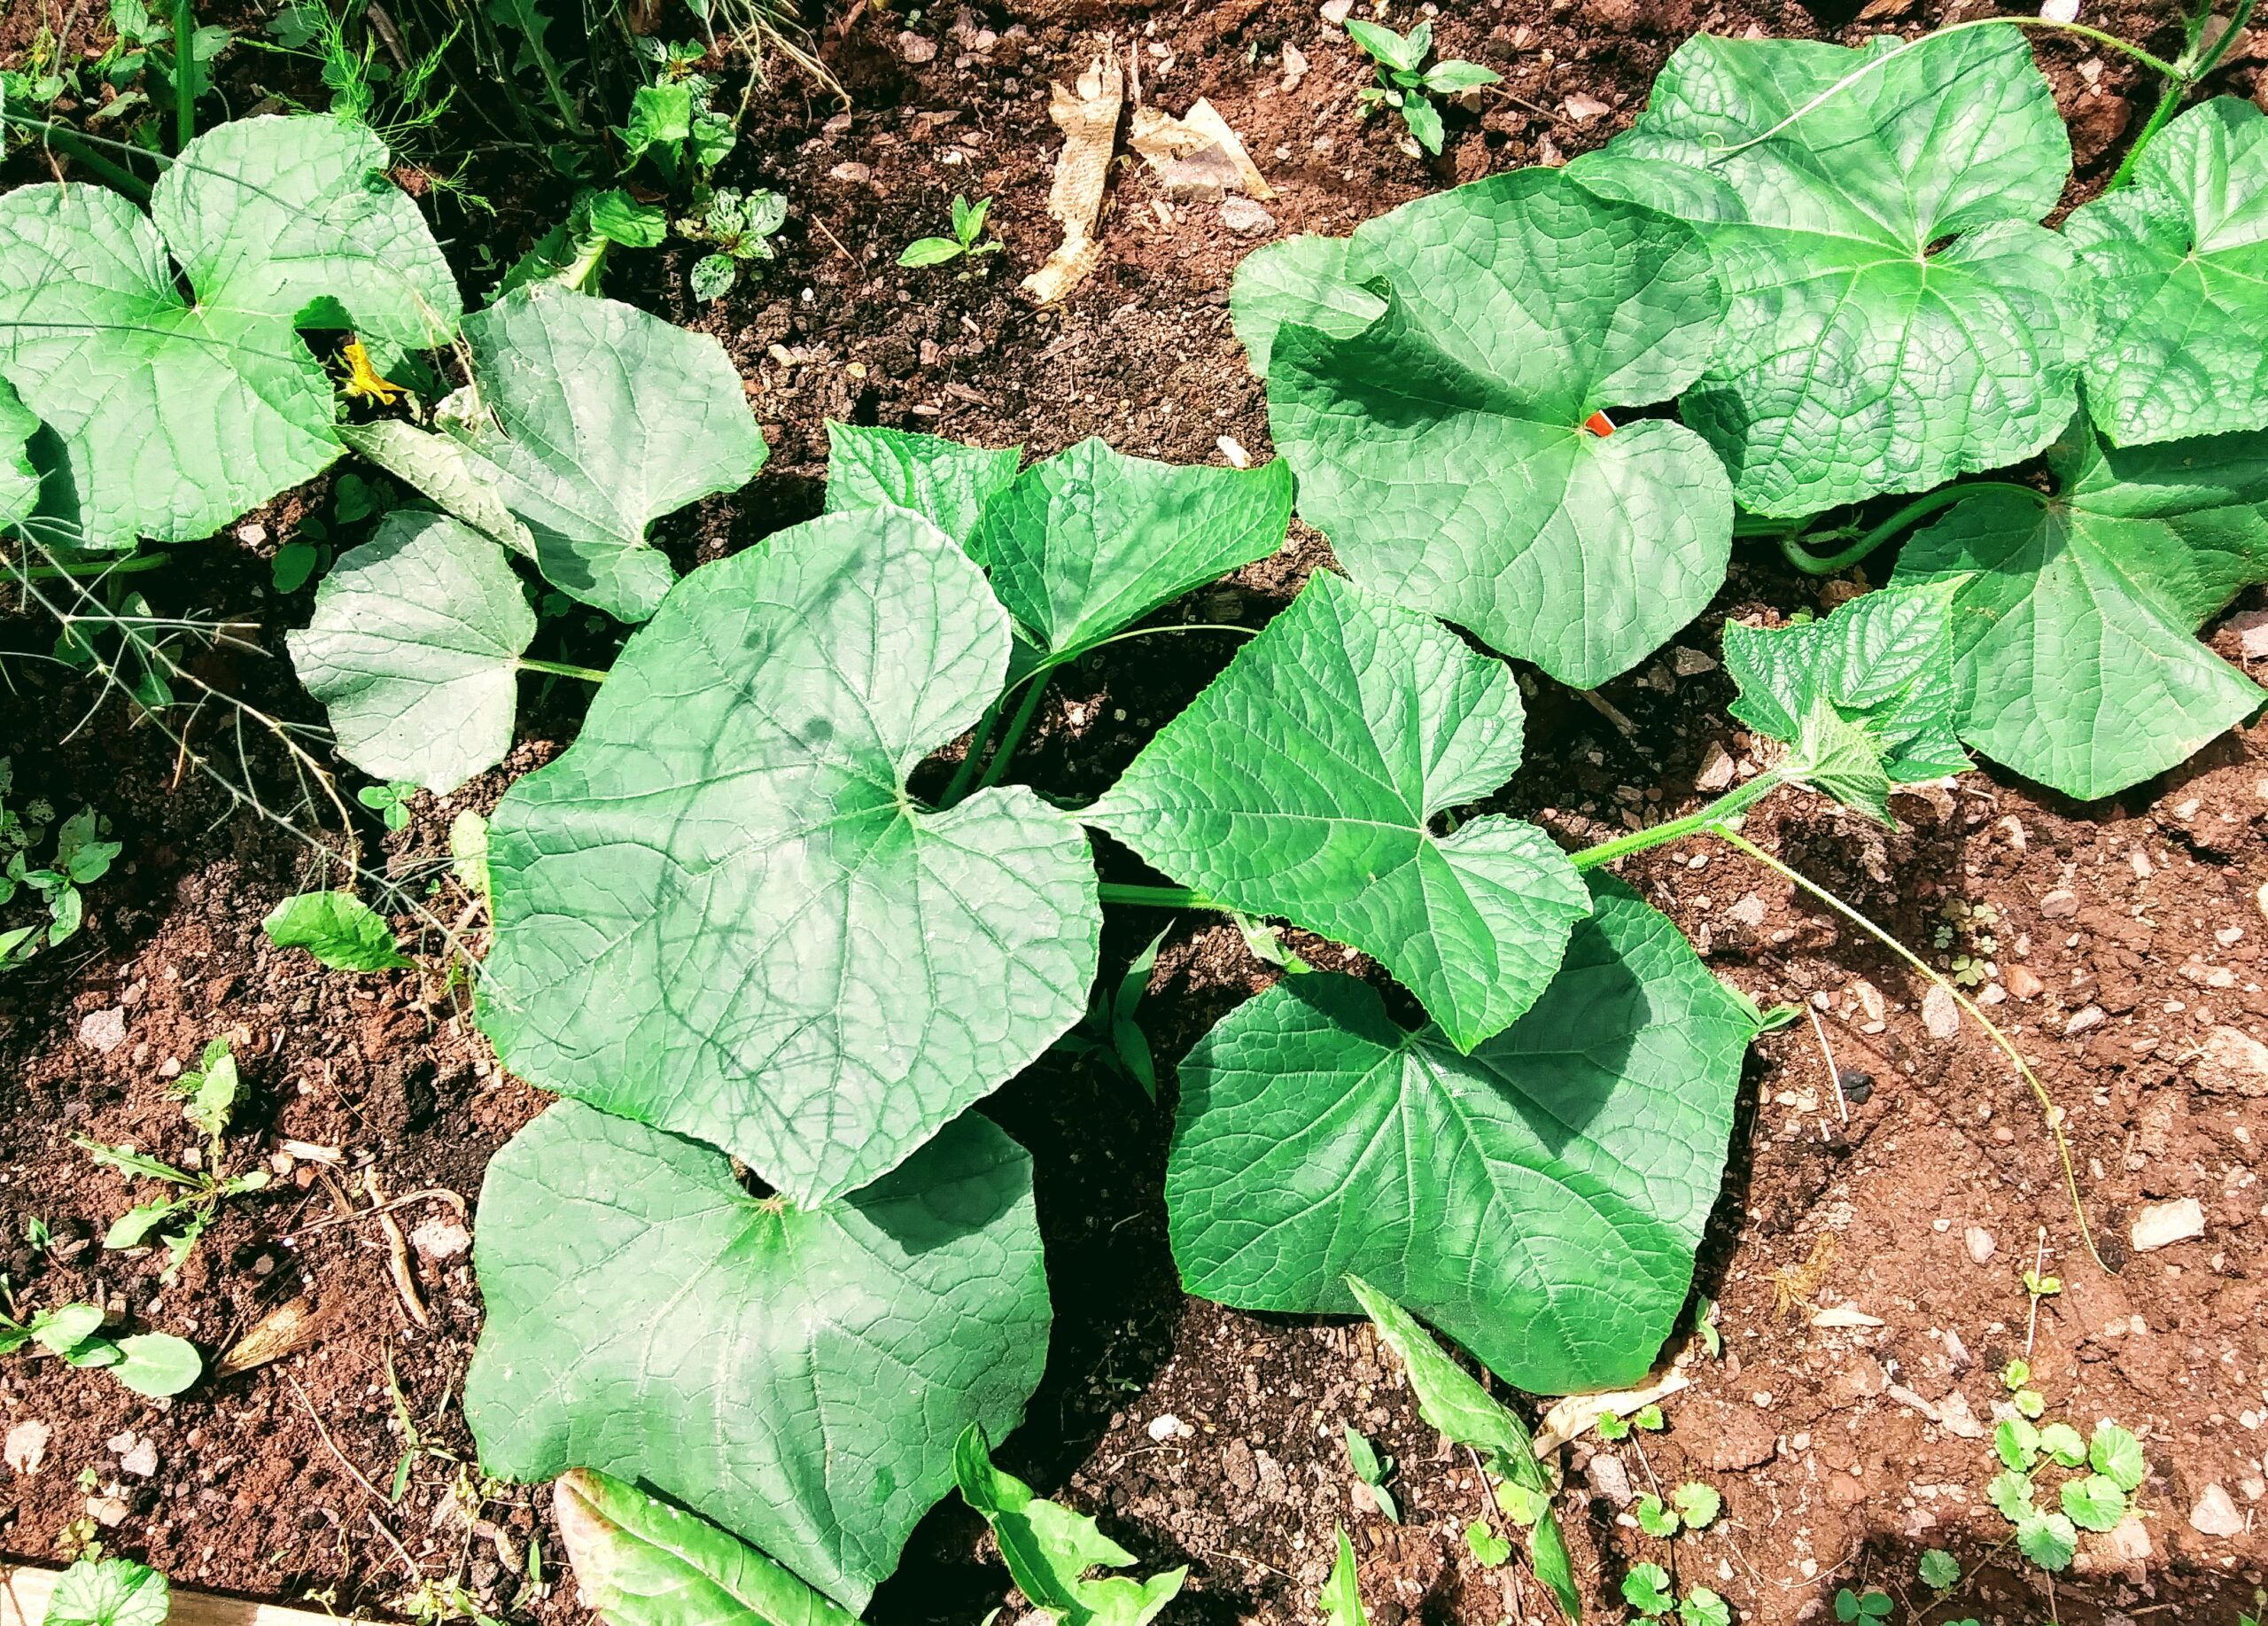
(1197, 1434)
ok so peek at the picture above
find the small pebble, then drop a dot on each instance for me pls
(1858, 1085)
(2216, 1513)
(1980, 1243)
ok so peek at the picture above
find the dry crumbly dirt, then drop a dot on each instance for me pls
(2124, 936)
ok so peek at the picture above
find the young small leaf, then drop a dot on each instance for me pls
(338, 929)
(2062, 1442)
(2094, 1502)
(1384, 44)
(1363, 1456)
(63, 1330)
(1049, 1549)
(2016, 1442)
(2047, 1539)
(1650, 1418)
(2010, 1491)
(469, 853)
(1697, 1504)
(712, 277)
(2116, 1454)
(2031, 1403)
(1424, 119)
(156, 1363)
(1612, 1426)
(1654, 1518)
(1703, 1607)
(930, 251)
(1341, 1599)
(1646, 1589)
(643, 1562)
(1488, 1547)
(108, 1592)
(1938, 1568)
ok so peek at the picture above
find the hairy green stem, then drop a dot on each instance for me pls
(2053, 1113)
(1912, 513)
(79, 149)
(1156, 897)
(132, 564)
(1017, 724)
(1038, 678)
(2186, 75)
(1730, 804)
(559, 669)
(964, 775)
(184, 74)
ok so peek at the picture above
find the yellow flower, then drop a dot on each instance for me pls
(363, 381)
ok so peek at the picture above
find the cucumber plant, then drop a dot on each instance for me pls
(1833, 261)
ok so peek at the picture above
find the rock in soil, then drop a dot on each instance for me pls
(2162, 1225)
(2232, 1063)
(2216, 1513)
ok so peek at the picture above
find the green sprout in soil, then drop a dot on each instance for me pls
(209, 1092)
(969, 227)
(1374, 1468)
(739, 226)
(390, 801)
(1870, 1606)
(1405, 78)
(78, 858)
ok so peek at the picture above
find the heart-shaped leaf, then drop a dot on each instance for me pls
(598, 418)
(2180, 259)
(1304, 782)
(415, 649)
(946, 483)
(1540, 1200)
(1087, 543)
(1443, 447)
(1897, 314)
(276, 222)
(798, 1375)
(2073, 632)
(721, 913)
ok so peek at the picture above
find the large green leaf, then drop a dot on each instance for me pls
(1540, 1200)
(639, 1561)
(2074, 633)
(1307, 280)
(1304, 782)
(798, 1375)
(19, 478)
(1866, 697)
(415, 647)
(295, 217)
(174, 416)
(1049, 1548)
(598, 418)
(946, 483)
(1898, 316)
(1089, 541)
(720, 911)
(2180, 263)
(1442, 448)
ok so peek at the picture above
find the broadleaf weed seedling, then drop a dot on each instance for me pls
(964, 243)
(1404, 80)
